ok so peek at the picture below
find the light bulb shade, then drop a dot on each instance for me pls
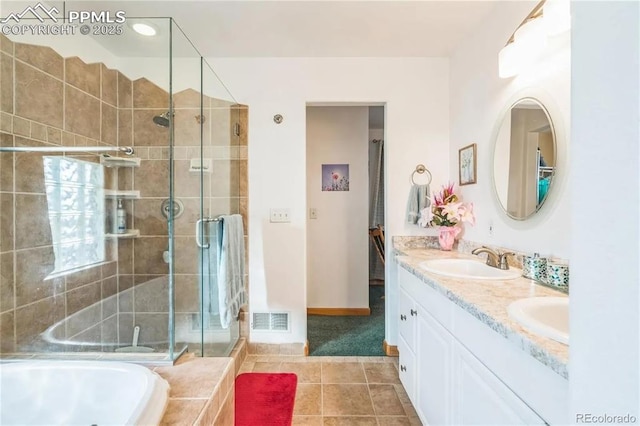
(144, 29)
(557, 16)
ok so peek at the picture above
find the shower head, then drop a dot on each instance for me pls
(162, 120)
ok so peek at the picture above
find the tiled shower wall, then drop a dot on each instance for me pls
(46, 99)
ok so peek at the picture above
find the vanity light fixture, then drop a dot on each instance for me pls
(144, 29)
(529, 40)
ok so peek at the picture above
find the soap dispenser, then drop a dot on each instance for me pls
(121, 218)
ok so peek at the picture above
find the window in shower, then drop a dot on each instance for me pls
(75, 199)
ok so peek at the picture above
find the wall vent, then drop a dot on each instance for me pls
(270, 321)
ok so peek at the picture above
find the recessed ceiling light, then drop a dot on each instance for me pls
(144, 29)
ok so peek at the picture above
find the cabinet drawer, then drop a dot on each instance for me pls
(407, 319)
(407, 369)
(434, 302)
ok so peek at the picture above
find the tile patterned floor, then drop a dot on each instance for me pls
(342, 391)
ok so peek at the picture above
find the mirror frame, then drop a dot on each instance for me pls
(553, 182)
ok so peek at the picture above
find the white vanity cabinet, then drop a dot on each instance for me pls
(445, 380)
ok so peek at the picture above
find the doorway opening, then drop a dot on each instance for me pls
(345, 230)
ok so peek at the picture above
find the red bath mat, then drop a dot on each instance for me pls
(265, 399)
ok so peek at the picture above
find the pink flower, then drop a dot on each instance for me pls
(466, 213)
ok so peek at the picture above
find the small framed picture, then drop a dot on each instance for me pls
(467, 164)
(335, 177)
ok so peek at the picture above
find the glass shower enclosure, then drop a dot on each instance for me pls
(117, 153)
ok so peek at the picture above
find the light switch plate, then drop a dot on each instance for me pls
(280, 216)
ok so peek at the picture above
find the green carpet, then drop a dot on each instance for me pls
(349, 335)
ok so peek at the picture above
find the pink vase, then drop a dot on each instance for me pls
(448, 236)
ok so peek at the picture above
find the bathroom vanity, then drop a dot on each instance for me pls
(463, 360)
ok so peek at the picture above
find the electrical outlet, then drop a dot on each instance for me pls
(313, 213)
(280, 216)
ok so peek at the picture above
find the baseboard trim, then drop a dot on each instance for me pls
(306, 348)
(339, 311)
(390, 350)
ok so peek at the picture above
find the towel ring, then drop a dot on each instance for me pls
(420, 169)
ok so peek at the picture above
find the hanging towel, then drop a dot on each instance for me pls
(231, 269)
(418, 200)
(209, 277)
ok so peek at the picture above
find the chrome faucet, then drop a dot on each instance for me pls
(495, 259)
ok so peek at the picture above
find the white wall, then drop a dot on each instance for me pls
(479, 100)
(337, 241)
(605, 325)
(415, 92)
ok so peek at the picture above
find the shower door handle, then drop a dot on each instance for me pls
(199, 234)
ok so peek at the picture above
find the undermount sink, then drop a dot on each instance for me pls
(546, 316)
(468, 268)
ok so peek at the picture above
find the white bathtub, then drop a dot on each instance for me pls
(80, 393)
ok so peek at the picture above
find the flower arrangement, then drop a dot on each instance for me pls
(446, 210)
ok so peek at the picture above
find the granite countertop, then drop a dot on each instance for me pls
(488, 301)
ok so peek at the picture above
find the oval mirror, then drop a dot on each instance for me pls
(524, 159)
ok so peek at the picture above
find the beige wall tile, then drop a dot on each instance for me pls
(109, 269)
(148, 217)
(187, 184)
(6, 83)
(7, 334)
(32, 266)
(38, 131)
(195, 378)
(29, 171)
(226, 177)
(148, 95)
(187, 98)
(6, 282)
(83, 320)
(187, 293)
(152, 178)
(185, 224)
(21, 126)
(243, 176)
(38, 96)
(227, 413)
(125, 127)
(86, 276)
(41, 57)
(109, 125)
(187, 127)
(186, 255)
(109, 93)
(182, 411)
(153, 296)
(35, 318)
(54, 135)
(83, 76)
(6, 164)
(148, 255)
(82, 297)
(6, 222)
(125, 257)
(82, 113)
(153, 327)
(145, 131)
(124, 91)
(6, 122)
(6, 45)
(33, 229)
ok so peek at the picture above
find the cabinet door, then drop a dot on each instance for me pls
(407, 369)
(407, 321)
(434, 363)
(481, 398)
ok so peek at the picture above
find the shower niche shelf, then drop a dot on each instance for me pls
(124, 194)
(119, 161)
(131, 233)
